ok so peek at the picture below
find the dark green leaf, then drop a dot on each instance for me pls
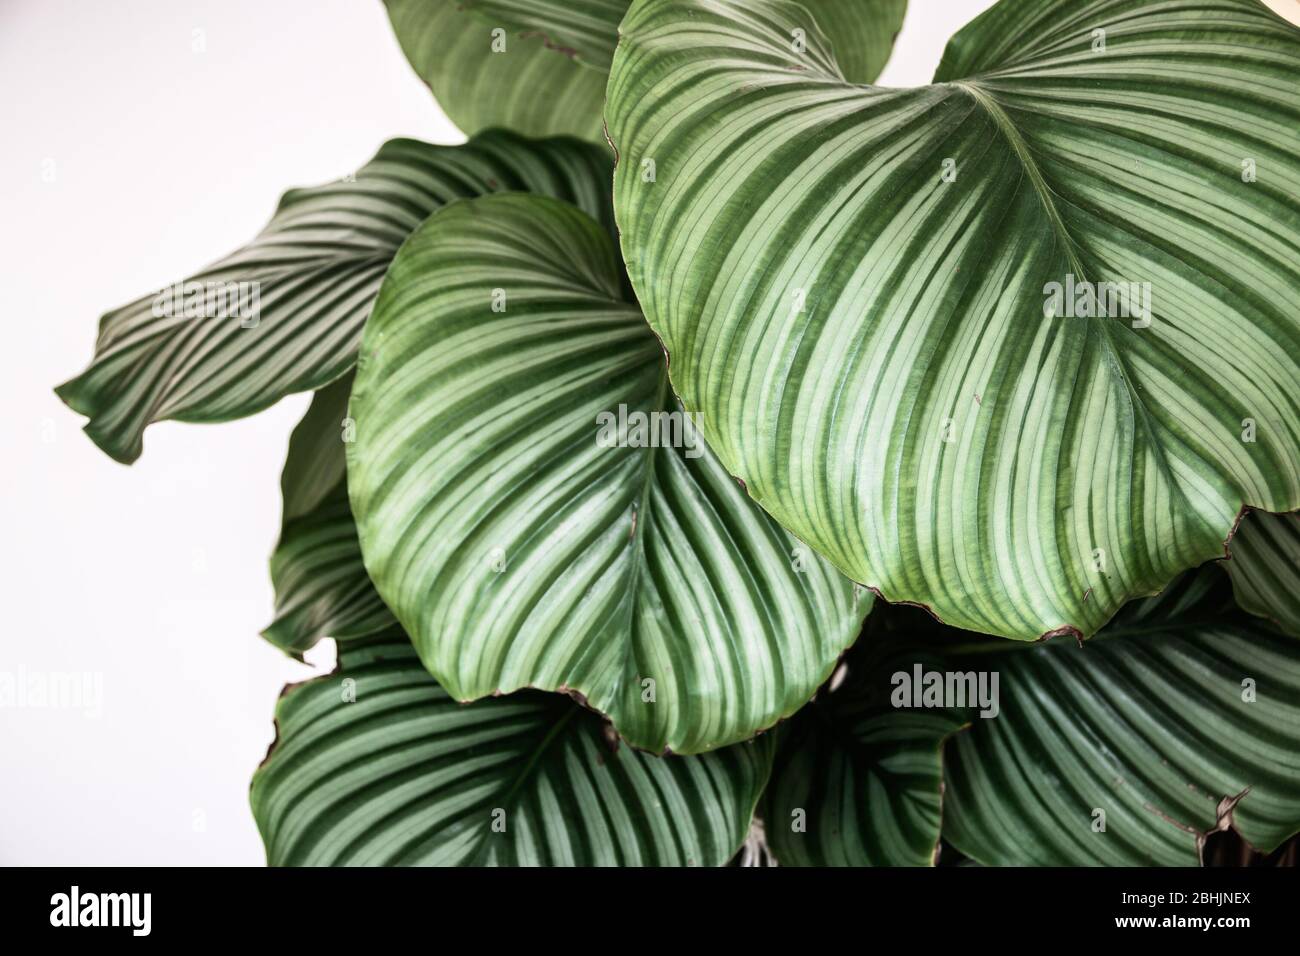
(858, 781)
(377, 765)
(321, 586)
(854, 285)
(315, 269)
(1265, 567)
(1180, 718)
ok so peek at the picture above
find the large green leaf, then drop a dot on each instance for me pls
(857, 781)
(1265, 567)
(853, 285)
(532, 85)
(317, 267)
(1153, 728)
(377, 765)
(321, 586)
(862, 32)
(516, 549)
(540, 66)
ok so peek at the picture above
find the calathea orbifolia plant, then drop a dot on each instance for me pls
(1020, 347)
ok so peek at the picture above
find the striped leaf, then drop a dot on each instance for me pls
(585, 31)
(321, 587)
(531, 85)
(284, 314)
(523, 544)
(378, 765)
(540, 66)
(1154, 729)
(863, 32)
(1265, 567)
(855, 287)
(858, 782)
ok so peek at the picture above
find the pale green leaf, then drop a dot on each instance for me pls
(377, 765)
(321, 586)
(518, 550)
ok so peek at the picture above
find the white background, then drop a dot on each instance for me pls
(154, 577)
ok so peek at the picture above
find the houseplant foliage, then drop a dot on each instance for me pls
(564, 641)
(540, 66)
(321, 588)
(518, 551)
(319, 262)
(1153, 729)
(850, 284)
(402, 774)
(1263, 568)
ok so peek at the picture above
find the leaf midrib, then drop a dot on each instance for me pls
(1117, 366)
